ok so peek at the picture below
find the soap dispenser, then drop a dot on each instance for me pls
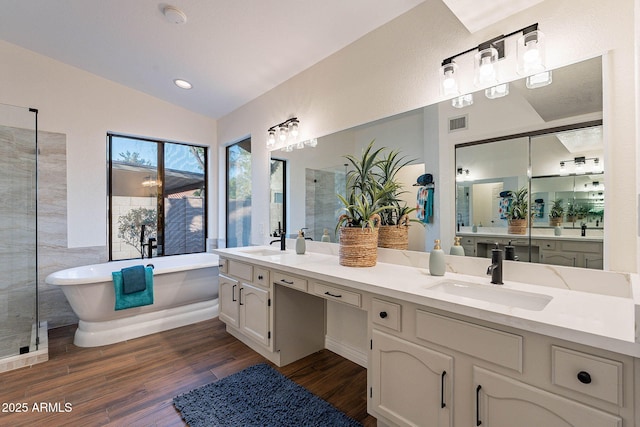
(436, 260)
(301, 245)
(457, 249)
(325, 236)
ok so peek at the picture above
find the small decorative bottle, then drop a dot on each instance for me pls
(325, 236)
(474, 228)
(457, 249)
(436, 260)
(301, 245)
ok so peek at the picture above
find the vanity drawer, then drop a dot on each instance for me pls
(501, 348)
(386, 314)
(548, 244)
(591, 375)
(290, 281)
(223, 264)
(261, 277)
(337, 294)
(582, 246)
(240, 270)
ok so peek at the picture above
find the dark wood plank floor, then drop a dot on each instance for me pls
(133, 383)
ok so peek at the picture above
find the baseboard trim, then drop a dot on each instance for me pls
(347, 351)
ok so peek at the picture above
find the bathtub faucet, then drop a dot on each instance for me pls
(151, 245)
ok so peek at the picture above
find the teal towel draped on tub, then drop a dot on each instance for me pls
(135, 299)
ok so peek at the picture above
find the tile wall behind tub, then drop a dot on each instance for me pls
(52, 230)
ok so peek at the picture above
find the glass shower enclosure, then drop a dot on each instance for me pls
(18, 231)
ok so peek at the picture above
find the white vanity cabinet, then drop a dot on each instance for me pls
(572, 253)
(410, 384)
(245, 301)
(501, 400)
(441, 370)
(248, 295)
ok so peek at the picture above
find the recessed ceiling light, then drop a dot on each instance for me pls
(182, 84)
(174, 15)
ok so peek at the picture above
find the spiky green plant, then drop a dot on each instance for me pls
(519, 207)
(557, 210)
(386, 174)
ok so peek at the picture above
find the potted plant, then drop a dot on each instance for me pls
(556, 213)
(357, 227)
(394, 220)
(572, 212)
(518, 212)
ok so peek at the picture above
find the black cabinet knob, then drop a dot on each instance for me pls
(584, 377)
(260, 277)
(383, 314)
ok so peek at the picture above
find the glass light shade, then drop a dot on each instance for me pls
(530, 53)
(563, 169)
(462, 101)
(293, 129)
(497, 91)
(486, 67)
(271, 138)
(449, 79)
(284, 133)
(539, 80)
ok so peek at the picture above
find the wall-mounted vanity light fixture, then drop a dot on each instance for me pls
(287, 133)
(580, 166)
(284, 131)
(463, 175)
(530, 56)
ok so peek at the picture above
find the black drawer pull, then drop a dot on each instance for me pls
(286, 281)
(383, 314)
(584, 377)
(220, 265)
(260, 277)
(442, 403)
(240, 296)
(333, 295)
(233, 293)
(478, 422)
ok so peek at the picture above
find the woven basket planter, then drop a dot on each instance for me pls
(358, 247)
(394, 236)
(517, 226)
(554, 222)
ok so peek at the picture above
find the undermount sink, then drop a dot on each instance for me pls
(494, 294)
(263, 252)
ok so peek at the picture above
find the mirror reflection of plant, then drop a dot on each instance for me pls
(557, 210)
(519, 207)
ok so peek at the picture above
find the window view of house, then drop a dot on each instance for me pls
(157, 198)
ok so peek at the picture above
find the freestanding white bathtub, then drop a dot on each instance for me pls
(185, 291)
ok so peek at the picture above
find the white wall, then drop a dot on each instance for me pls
(395, 69)
(85, 107)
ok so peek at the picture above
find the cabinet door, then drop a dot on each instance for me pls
(228, 290)
(567, 259)
(254, 313)
(505, 402)
(593, 261)
(411, 385)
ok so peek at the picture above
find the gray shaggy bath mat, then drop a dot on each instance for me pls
(258, 396)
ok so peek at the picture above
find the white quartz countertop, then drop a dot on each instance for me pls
(596, 320)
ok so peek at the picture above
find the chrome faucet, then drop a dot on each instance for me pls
(495, 269)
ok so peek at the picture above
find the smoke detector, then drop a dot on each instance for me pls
(174, 15)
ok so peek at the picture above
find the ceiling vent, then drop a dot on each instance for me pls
(458, 123)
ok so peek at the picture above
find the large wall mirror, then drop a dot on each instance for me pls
(496, 162)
